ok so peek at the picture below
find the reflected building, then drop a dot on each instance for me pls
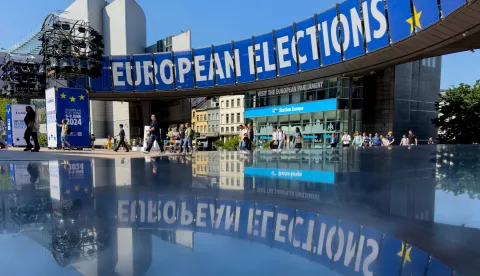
(231, 170)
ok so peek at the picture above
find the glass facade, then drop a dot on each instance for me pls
(316, 127)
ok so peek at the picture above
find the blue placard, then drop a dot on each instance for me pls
(164, 78)
(283, 232)
(325, 232)
(224, 64)
(391, 255)
(73, 105)
(244, 216)
(368, 251)
(415, 261)
(204, 72)
(437, 268)
(265, 57)
(352, 29)
(186, 212)
(205, 216)
(307, 46)
(286, 51)
(329, 37)
(244, 63)
(401, 20)
(323, 105)
(8, 126)
(346, 246)
(76, 180)
(225, 220)
(183, 70)
(143, 72)
(449, 6)
(302, 175)
(375, 23)
(303, 241)
(167, 213)
(104, 82)
(262, 223)
(122, 74)
(426, 12)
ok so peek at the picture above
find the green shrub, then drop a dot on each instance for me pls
(232, 143)
(266, 146)
(218, 143)
(42, 140)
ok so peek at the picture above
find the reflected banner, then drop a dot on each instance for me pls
(347, 31)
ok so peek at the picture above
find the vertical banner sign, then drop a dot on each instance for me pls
(265, 57)
(375, 23)
(400, 18)
(203, 61)
(183, 69)
(164, 79)
(286, 51)
(425, 13)
(244, 63)
(8, 109)
(51, 109)
(53, 170)
(352, 29)
(307, 45)
(143, 72)
(224, 65)
(18, 124)
(72, 105)
(76, 180)
(329, 37)
(104, 82)
(448, 6)
(122, 74)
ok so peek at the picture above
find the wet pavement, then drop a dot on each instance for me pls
(374, 211)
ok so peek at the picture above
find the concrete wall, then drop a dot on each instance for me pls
(89, 10)
(136, 24)
(182, 41)
(114, 30)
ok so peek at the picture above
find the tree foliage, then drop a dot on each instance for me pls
(459, 114)
(3, 106)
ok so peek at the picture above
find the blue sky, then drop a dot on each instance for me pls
(213, 22)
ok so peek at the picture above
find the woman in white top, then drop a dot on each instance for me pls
(274, 143)
(346, 139)
(404, 141)
(357, 139)
(2, 131)
(241, 143)
(297, 140)
(281, 138)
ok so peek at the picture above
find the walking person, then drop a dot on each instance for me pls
(249, 137)
(2, 131)
(154, 132)
(181, 136)
(412, 138)
(366, 140)
(376, 141)
(121, 135)
(346, 138)
(274, 143)
(357, 139)
(92, 141)
(297, 140)
(32, 130)
(66, 130)
(390, 138)
(189, 134)
(241, 143)
(333, 141)
(404, 141)
(281, 138)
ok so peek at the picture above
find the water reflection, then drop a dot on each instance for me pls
(355, 212)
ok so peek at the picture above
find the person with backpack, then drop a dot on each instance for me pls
(121, 135)
(32, 130)
(66, 130)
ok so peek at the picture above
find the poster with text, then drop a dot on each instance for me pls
(51, 110)
(73, 106)
(18, 125)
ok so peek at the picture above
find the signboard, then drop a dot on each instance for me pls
(8, 109)
(323, 105)
(20, 175)
(70, 180)
(72, 105)
(17, 125)
(301, 175)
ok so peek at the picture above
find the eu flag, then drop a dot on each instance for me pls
(414, 262)
(437, 268)
(399, 13)
(425, 13)
(390, 257)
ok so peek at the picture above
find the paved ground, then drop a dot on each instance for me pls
(45, 154)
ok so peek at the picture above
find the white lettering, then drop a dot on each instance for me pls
(334, 35)
(346, 31)
(266, 57)
(307, 245)
(251, 62)
(281, 52)
(201, 214)
(147, 71)
(184, 67)
(138, 73)
(258, 59)
(169, 204)
(219, 68)
(117, 74)
(380, 18)
(341, 241)
(321, 239)
(313, 41)
(298, 221)
(152, 211)
(359, 253)
(371, 257)
(279, 227)
(186, 216)
(356, 27)
(326, 40)
(166, 63)
(266, 215)
(122, 211)
(128, 70)
(228, 64)
(199, 68)
(237, 63)
(142, 210)
(349, 250)
(366, 21)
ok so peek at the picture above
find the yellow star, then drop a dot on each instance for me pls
(67, 191)
(85, 190)
(77, 188)
(72, 99)
(63, 95)
(415, 20)
(81, 97)
(407, 254)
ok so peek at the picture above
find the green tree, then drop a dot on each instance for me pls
(3, 106)
(459, 113)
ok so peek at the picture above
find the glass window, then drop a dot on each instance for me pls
(198, 118)
(222, 105)
(227, 104)
(226, 121)
(296, 97)
(238, 102)
(233, 118)
(232, 103)
(285, 99)
(232, 129)
(209, 117)
(221, 129)
(318, 122)
(238, 117)
(227, 168)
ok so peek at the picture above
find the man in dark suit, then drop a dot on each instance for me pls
(121, 135)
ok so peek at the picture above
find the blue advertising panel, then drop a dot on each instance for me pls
(325, 231)
(401, 21)
(375, 23)
(204, 73)
(224, 64)
(183, 70)
(76, 179)
(225, 220)
(122, 74)
(164, 78)
(426, 13)
(368, 250)
(265, 57)
(303, 175)
(244, 63)
(244, 216)
(303, 236)
(307, 46)
(329, 37)
(167, 210)
(437, 268)
(449, 6)
(143, 72)
(148, 209)
(286, 51)
(346, 247)
(352, 30)
(415, 261)
(262, 224)
(323, 105)
(73, 106)
(391, 256)
(8, 110)
(205, 215)
(186, 212)
(104, 82)
(283, 235)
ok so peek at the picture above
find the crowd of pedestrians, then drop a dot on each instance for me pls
(375, 140)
